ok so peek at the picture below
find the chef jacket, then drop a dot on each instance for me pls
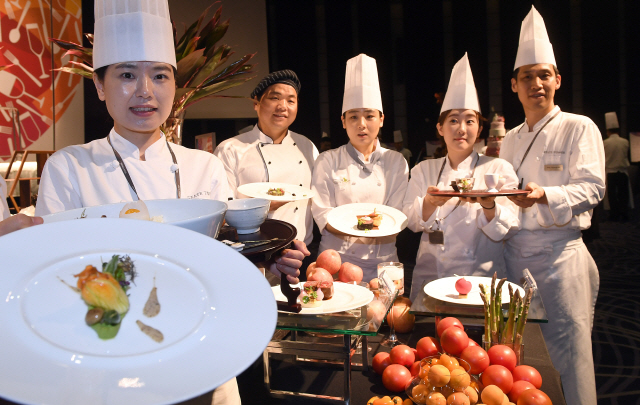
(472, 244)
(4, 207)
(567, 160)
(88, 175)
(337, 180)
(252, 157)
(616, 152)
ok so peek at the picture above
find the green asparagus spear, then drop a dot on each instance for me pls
(487, 311)
(522, 321)
(507, 334)
(494, 320)
(499, 314)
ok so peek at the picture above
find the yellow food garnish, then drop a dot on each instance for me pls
(102, 290)
(131, 211)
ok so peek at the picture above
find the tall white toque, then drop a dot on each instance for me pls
(132, 30)
(361, 87)
(461, 93)
(534, 46)
(397, 136)
(611, 120)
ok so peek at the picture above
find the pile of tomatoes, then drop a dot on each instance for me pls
(500, 382)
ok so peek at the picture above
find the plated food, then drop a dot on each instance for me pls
(370, 221)
(346, 218)
(343, 297)
(444, 289)
(276, 191)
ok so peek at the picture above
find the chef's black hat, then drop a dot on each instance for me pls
(282, 76)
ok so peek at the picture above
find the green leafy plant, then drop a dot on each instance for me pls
(202, 71)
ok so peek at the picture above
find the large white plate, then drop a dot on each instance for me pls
(345, 297)
(444, 289)
(259, 190)
(343, 218)
(212, 330)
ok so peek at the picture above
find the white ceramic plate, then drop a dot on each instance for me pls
(212, 332)
(345, 297)
(343, 218)
(259, 190)
(444, 289)
(200, 215)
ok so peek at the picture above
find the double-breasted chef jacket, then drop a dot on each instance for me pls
(252, 157)
(567, 160)
(472, 244)
(338, 179)
(88, 175)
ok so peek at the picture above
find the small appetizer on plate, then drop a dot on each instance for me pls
(278, 192)
(311, 295)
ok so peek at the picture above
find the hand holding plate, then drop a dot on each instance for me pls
(536, 195)
(435, 200)
(290, 261)
(17, 222)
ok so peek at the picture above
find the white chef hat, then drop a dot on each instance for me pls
(361, 87)
(461, 92)
(534, 46)
(611, 120)
(132, 30)
(397, 136)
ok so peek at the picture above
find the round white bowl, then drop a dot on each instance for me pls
(247, 214)
(202, 216)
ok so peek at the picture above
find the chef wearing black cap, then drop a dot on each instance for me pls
(272, 153)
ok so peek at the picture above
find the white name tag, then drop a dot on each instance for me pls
(553, 168)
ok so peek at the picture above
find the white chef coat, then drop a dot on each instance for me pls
(252, 157)
(337, 180)
(472, 245)
(550, 243)
(616, 152)
(88, 175)
(4, 207)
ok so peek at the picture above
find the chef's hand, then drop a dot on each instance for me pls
(435, 200)
(536, 195)
(488, 205)
(290, 262)
(277, 204)
(17, 222)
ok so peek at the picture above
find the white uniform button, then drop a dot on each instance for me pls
(174, 168)
(537, 157)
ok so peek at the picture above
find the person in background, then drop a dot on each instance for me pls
(362, 171)
(399, 145)
(325, 142)
(616, 152)
(461, 236)
(559, 158)
(270, 152)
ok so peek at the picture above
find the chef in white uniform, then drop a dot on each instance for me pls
(560, 158)
(361, 171)
(134, 75)
(397, 141)
(10, 223)
(616, 153)
(459, 236)
(270, 152)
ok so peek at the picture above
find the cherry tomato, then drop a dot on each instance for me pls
(454, 340)
(383, 401)
(503, 355)
(415, 368)
(403, 355)
(498, 375)
(473, 342)
(518, 388)
(528, 373)
(477, 358)
(395, 377)
(534, 397)
(445, 323)
(380, 362)
(427, 346)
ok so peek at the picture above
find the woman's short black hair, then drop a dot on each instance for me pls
(100, 72)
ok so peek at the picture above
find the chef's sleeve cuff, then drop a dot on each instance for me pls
(557, 211)
(498, 227)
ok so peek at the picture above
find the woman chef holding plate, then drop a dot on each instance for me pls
(361, 171)
(135, 76)
(459, 235)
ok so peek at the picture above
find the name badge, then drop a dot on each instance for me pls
(553, 168)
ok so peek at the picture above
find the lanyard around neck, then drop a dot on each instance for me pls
(530, 145)
(438, 181)
(128, 177)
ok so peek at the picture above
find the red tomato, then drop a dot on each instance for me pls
(415, 368)
(476, 357)
(498, 375)
(445, 323)
(534, 397)
(518, 388)
(454, 340)
(403, 355)
(427, 346)
(528, 373)
(380, 362)
(503, 355)
(395, 377)
(473, 342)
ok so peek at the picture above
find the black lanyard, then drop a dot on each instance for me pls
(530, 145)
(126, 172)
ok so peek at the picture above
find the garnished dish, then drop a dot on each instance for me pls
(369, 221)
(104, 292)
(276, 191)
(311, 295)
(465, 184)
